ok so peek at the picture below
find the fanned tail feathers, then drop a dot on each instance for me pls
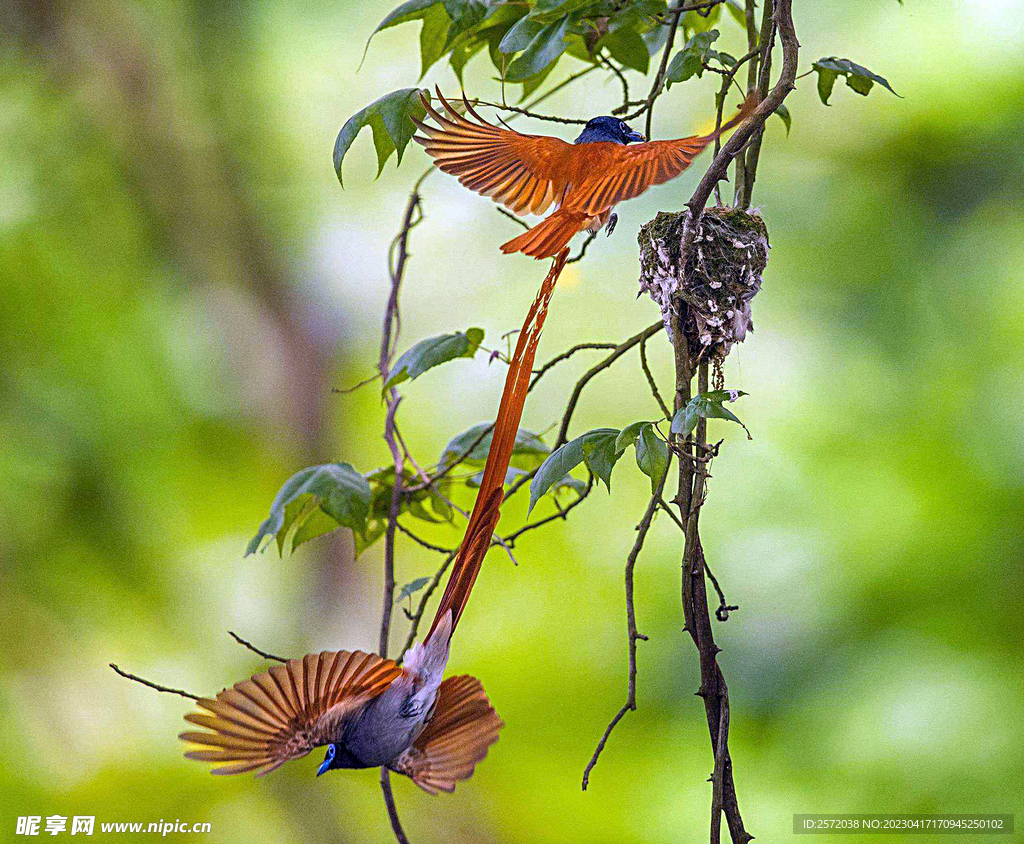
(464, 725)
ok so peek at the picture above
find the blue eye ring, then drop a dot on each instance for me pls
(331, 750)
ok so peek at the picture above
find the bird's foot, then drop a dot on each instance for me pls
(610, 227)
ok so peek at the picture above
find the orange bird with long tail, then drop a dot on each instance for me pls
(585, 179)
(367, 710)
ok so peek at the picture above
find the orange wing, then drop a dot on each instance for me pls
(612, 173)
(282, 714)
(529, 172)
(522, 172)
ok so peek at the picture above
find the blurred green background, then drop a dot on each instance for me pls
(184, 281)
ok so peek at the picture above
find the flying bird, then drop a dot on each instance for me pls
(367, 710)
(584, 179)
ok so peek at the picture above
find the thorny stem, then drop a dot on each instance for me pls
(633, 635)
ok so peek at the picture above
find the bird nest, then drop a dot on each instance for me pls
(708, 294)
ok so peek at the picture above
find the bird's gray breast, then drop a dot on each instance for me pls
(387, 726)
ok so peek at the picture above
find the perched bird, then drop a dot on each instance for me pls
(368, 710)
(585, 179)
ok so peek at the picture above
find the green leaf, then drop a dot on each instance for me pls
(341, 492)
(408, 11)
(364, 538)
(689, 61)
(461, 55)
(316, 524)
(567, 457)
(652, 455)
(296, 512)
(628, 435)
(520, 35)
(433, 37)
(534, 82)
(389, 120)
(601, 453)
(637, 15)
(440, 506)
(858, 77)
(433, 352)
(465, 14)
(527, 444)
(737, 11)
(697, 22)
(707, 405)
(628, 48)
(544, 48)
(784, 115)
(569, 482)
(411, 588)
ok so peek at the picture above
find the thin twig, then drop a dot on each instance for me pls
(389, 801)
(449, 466)
(527, 110)
(632, 633)
(419, 540)
(562, 513)
(608, 63)
(659, 77)
(650, 380)
(514, 217)
(254, 649)
(528, 113)
(341, 392)
(417, 616)
(753, 151)
(620, 350)
(583, 249)
(579, 347)
(156, 686)
(717, 171)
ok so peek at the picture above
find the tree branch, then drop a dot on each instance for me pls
(389, 340)
(786, 83)
(631, 630)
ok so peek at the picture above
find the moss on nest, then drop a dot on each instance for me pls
(710, 296)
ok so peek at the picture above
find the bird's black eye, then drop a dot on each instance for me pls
(330, 751)
(623, 127)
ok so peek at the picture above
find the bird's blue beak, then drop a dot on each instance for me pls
(636, 137)
(324, 766)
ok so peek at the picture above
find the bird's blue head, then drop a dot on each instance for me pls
(329, 759)
(609, 130)
(339, 756)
